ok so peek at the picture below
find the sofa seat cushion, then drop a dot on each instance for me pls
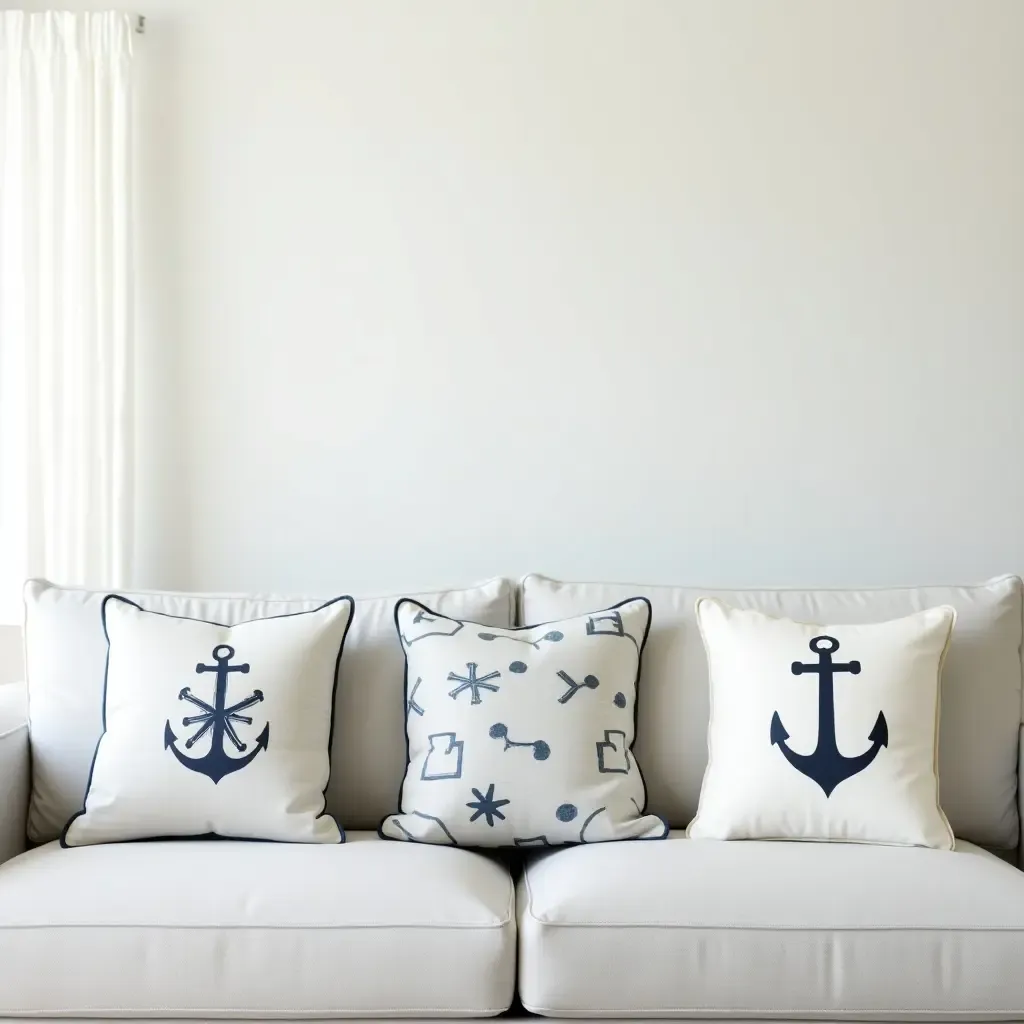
(242, 929)
(702, 928)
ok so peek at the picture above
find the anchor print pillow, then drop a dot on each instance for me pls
(522, 737)
(823, 732)
(212, 730)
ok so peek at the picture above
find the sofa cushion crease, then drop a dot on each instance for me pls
(14, 769)
(696, 1013)
(1020, 797)
(256, 929)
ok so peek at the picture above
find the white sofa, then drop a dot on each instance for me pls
(681, 928)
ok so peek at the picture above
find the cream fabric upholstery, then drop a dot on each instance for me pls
(699, 928)
(981, 685)
(66, 652)
(193, 929)
(14, 769)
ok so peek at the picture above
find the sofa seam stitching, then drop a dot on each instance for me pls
(796, 929)
(280, 1014)
(21, 727)
(726, 1012)
(499, 926)
(984, 585)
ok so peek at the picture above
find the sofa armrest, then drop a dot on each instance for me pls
(14, 769)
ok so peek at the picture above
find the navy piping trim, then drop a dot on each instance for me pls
(221, 625)
(518, 629)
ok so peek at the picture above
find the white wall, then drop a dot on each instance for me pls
(665, 290)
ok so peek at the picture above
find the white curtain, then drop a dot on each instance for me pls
(66, 313)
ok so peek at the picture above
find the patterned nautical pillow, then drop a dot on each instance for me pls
(522, 737)
(214, 730)
(823, 732)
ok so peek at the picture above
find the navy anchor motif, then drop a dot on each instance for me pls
(216, 763)
(825, 765)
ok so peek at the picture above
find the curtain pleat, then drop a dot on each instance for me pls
(66, 313)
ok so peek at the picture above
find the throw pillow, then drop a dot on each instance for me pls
(522, 737)
(212, 730)
(823, 732)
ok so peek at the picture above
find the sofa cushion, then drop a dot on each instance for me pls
(699, 928)
(173, 764)
(532, 745)
(192, 929)
(65, 653)
(862, 703)
(981, 685)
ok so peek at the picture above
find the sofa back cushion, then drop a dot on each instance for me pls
(980, 699)
(65, 657)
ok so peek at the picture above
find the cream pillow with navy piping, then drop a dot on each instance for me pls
(823, 732)
(522, 737)
(212, 730)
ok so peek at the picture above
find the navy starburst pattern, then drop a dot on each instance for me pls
(211, 716)
(472, 683)
(485, 806)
